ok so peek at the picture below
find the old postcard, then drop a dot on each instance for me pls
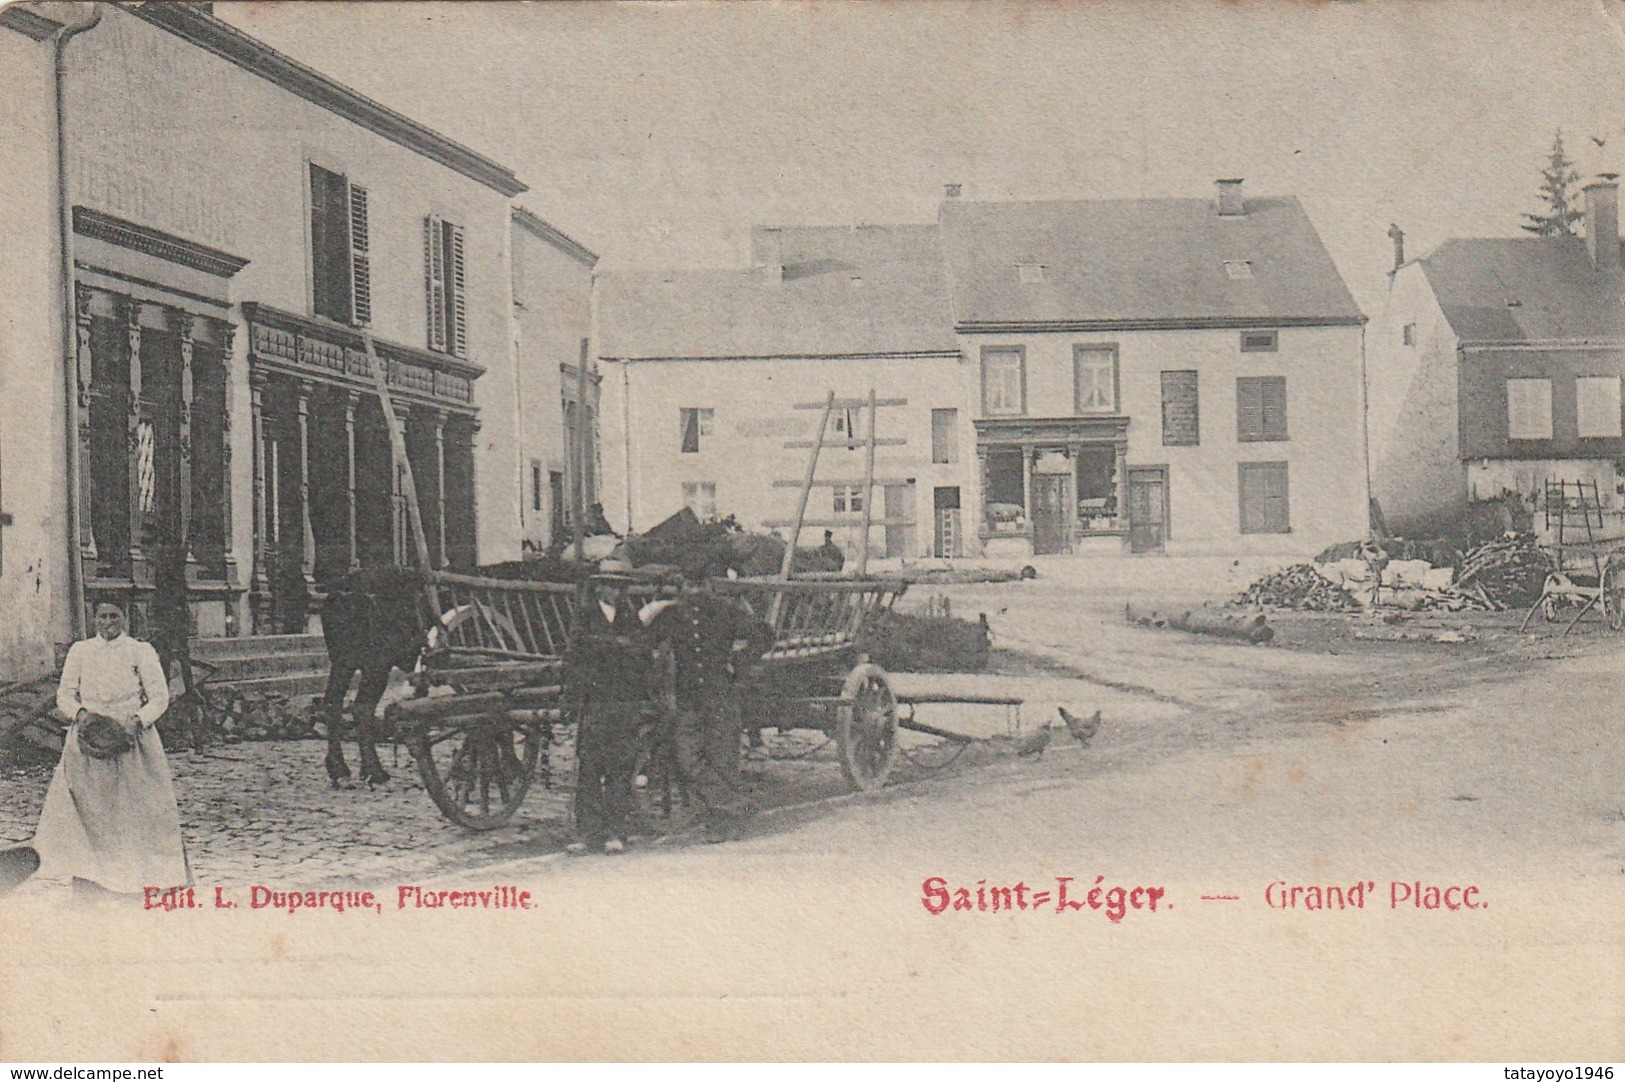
(811, 531)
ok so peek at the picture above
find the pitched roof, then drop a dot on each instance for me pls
(1524, 289)
(1140, 262)
(844, 291)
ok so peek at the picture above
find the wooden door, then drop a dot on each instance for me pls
(899, 505)
(1147, 509)
(1051, 523)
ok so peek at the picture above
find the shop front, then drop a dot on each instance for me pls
(1052, 486)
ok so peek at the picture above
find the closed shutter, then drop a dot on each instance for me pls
(1181, 421)
(360, 261)
(1260, 408)
(434, 283)
(1272, 392)
(1265, 506)
(457, 343)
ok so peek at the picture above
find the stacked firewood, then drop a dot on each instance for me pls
(1509, 571)
(1298, 587)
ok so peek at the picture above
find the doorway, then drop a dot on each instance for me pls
(899, 510)
(945, 541)
(1147, 508)
(1051, 523)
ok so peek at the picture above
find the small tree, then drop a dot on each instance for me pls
(1557, 190)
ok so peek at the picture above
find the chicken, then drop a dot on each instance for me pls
(1034, 742)
(1083, 729)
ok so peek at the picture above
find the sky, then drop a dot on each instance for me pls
(658, 134)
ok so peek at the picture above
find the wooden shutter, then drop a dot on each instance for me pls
(330, 244)
(1181, 419)
(1261, 408)
(360, 261)
(457, 318)
(1272, 397)
(1264, 498)
(434, 283)
(690, 420)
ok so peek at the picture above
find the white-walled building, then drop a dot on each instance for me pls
(190, 399)
(1496, 366)
(703, 371)
(1167, 375)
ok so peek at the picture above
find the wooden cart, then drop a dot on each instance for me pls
(495, 668)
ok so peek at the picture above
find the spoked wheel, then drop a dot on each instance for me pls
(866, 728)
(478, 769)
(1613, 594)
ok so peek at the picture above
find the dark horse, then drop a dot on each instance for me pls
(375, 620)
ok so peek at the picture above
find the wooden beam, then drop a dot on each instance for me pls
(850, 482)
(852, 403)
(856, 520)
(851, 445)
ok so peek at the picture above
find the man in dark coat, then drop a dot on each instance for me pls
(714, 640)
(609, 682)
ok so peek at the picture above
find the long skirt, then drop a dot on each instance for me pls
(113, 821)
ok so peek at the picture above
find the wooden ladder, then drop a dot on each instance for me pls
(865, 484)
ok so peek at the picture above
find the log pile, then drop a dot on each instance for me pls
(1298, 587)
(1509, 571)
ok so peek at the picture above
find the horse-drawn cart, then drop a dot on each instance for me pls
(495, 671)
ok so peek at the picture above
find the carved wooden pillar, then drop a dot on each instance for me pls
(87, 501)
(133, 455)
(981, 489)
(184, 323)
(437, 536)
(307, 535)
(260, 593)
(404, 547)
(351, 400)
(1122, 485)
(1027, 455)
(228, 341)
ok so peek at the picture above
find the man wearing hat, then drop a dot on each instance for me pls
(713, 639)
(608, 682)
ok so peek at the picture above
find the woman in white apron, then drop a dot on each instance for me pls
(112, 823)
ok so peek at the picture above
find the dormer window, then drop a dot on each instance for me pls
(1030, 272)
(1238, 268)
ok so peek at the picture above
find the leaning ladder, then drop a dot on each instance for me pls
(869, 407)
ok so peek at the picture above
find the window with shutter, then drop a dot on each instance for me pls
(360, 261)
(1264, 500)
(1260, 408)
(445, 286)
(330, 248)
(1596, 401)
(434, 282)
(945, 436)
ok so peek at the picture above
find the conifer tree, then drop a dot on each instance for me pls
(1557, 190)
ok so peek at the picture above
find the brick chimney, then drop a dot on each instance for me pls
(1602, 221)
(1231, 204)
(767, 251)
(1397, 235)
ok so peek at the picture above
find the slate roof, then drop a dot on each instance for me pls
(845, 291)
(1525, 289)
(1140, 262)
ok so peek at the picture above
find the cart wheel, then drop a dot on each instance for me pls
(866, 729)
(477, 769)
(1613, 595)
